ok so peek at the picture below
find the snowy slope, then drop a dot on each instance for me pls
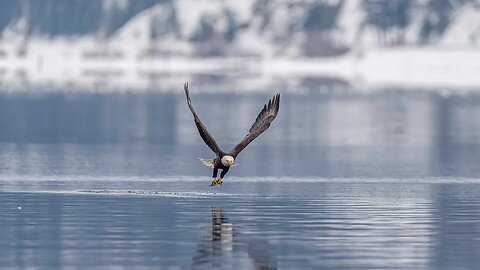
(465, 29)
(249, 27)
(139, 44)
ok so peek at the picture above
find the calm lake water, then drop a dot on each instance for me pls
(387, 180)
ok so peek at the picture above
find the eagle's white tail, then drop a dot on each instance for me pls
(207, 162)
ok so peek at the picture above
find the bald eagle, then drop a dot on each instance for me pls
(224, 160)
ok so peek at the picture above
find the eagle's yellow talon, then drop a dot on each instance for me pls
(219, 181)
(214, 182)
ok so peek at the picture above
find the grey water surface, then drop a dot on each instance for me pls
(382, 180)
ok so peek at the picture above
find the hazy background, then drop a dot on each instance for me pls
(371, 88)
(239, 45)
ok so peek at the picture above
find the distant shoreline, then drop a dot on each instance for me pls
(53, 67)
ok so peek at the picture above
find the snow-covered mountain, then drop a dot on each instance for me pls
(134, 43)
(263, 28)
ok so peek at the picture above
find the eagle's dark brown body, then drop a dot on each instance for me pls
(218, 165)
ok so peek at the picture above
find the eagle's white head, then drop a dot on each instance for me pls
(227, 160)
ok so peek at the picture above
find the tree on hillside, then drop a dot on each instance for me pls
(390, 18)
(438, 17)
(320, 26)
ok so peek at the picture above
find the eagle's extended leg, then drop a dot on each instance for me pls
(215, 173)
(224, 171)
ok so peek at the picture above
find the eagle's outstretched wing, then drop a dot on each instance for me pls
(263, 121)
(207, 138)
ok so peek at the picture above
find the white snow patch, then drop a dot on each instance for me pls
(465, 28)
(191, 12)
(434, 67)
(350, 20)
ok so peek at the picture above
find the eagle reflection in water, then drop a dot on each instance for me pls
(221, 248)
